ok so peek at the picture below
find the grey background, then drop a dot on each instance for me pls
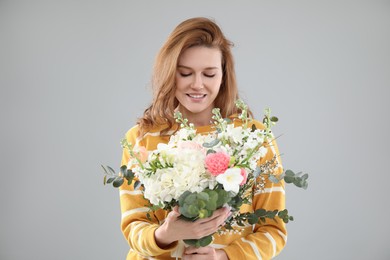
(74, 76)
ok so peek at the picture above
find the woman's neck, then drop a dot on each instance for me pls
(202, 118)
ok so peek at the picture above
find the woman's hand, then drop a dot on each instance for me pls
(207, 252)
(174, 228)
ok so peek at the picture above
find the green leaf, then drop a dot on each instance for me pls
(283, 213)
(105, 179)
(257, 172)
(111, 179)
(137, 185)
(290, 173)
(104, 168)
(210, 151)
(297, 182)
(252, 219)
(289, 179)
(205, 241)
(274, 119)
(117, 182)
(273, 179)
(260, 212)
(211, 205)
(305, 176)
(129, 174)
(211, 144)
(203, 196)
(110, 169)
(272, 214)
(254, 128)
(123, 170)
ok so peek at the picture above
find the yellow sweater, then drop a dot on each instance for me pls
(253, 242)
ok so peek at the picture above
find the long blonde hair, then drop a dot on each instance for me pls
(192, 32)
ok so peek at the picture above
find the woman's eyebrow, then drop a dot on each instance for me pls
(186, 67)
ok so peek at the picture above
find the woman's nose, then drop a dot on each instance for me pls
(197, 82)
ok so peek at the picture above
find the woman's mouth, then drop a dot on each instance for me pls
(196, 96)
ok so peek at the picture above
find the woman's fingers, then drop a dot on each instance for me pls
(176, 228)
(200, 253)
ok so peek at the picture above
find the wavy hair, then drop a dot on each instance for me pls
(198, 31)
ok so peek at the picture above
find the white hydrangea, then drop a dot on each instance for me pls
(188, 173)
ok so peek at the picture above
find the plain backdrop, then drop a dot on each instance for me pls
(75, 75)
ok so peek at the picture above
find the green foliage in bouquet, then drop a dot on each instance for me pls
(194, 205)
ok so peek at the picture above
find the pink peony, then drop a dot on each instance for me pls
(217, 163)
(244, 175)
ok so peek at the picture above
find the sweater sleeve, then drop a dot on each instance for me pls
(267, 239)
(136, 227)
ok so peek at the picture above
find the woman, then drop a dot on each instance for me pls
(193, 73)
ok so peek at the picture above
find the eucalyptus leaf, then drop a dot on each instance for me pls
(123, 170)
(290, 173)
(111, 179)
(260, 212)
(289, 179)
(297, 182)
(111, 170)
(252, 219)
(137, 185)
(129, 174)
(210, 151)
(205, 241)
(305, 176)
(211, 144)
(257, 172)
(117, 182)
(273, 179)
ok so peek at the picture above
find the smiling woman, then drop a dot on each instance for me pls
(198, 79)
(193, 74)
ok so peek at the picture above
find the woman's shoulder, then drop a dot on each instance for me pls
(134, 132)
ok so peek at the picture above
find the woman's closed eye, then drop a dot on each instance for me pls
(189, 74)
(185, 74)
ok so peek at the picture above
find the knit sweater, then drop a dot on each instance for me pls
(259, 241)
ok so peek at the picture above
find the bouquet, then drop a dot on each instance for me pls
(202, 173)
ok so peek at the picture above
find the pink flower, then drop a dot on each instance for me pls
(189, 145)
(142, 154)
(217, 163)
(244, 175)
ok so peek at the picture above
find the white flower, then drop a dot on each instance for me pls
(262, 151)
(231, 179)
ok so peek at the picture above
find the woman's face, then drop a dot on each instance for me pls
(198, 79)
